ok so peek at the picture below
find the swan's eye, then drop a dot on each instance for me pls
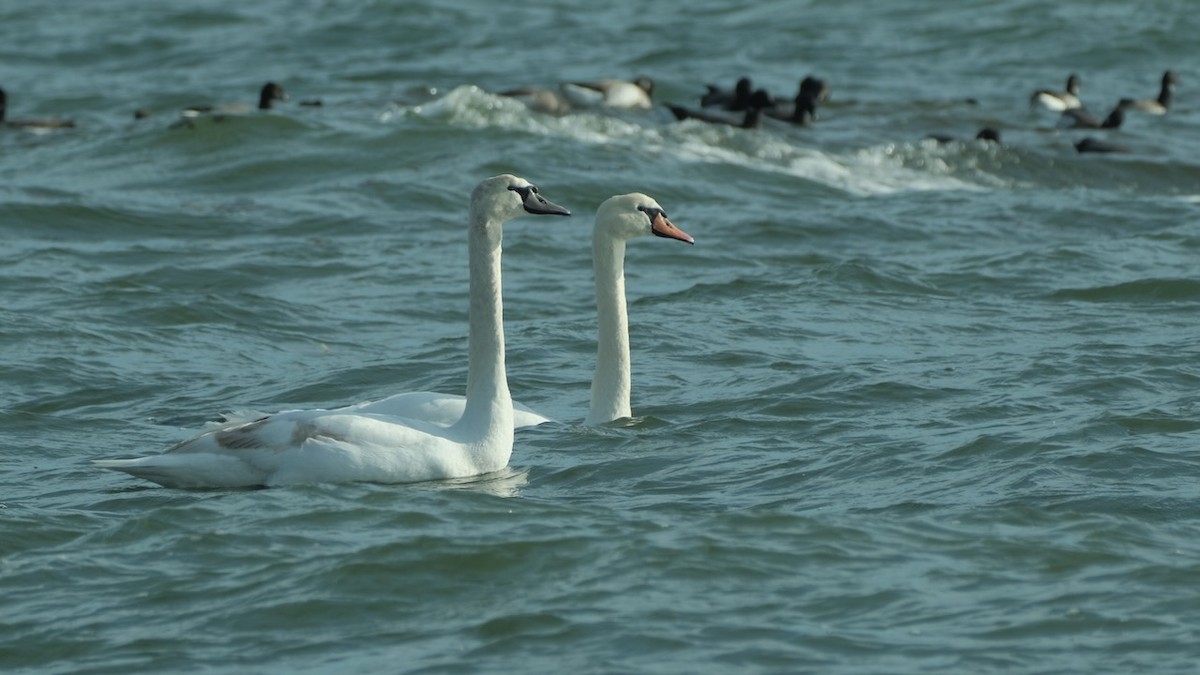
(522, 190)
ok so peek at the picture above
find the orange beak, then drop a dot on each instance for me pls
(662, 227)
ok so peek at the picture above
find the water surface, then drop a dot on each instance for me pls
(904, 408)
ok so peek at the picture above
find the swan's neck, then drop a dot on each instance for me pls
(610, 383)
(488, 412)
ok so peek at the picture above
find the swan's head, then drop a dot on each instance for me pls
(506, 196)
(636, 215)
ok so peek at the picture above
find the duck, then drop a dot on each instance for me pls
(30, 124)
(541, 100)
(352, 445)
(267, 95)
(803, 111)
(610, 93)
(618, 219)
(1058, 101)
(1160, 105)
(816, 87)
(1080, 118)
(1089, 144)
(750, 119)
(737, 99)
(986, 134)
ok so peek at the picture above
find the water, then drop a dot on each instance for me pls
(903, 408)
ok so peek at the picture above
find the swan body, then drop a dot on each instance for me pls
(1058, 101)
(359, 444)
(618, 220)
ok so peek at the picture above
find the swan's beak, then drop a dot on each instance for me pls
(538, 205)
(661, 227)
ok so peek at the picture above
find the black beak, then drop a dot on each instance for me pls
(538, 205)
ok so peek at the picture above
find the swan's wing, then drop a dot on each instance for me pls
(440, 409)
(235, 417)
(525, 417)
(189, 471)
(432, 407)
(305, 446)
(340, 447)
(222, 456)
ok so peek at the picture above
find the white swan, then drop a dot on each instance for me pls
(350, 444)
(619, 219)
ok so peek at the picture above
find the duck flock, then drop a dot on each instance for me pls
(743, 106)
(1076, 116)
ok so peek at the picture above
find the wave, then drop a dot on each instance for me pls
(1141, 290)
(877, 170)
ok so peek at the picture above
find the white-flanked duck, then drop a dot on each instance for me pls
(1159, 105)
(611, 93)
(1059, 101)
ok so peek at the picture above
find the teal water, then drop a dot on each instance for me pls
(904, 408)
